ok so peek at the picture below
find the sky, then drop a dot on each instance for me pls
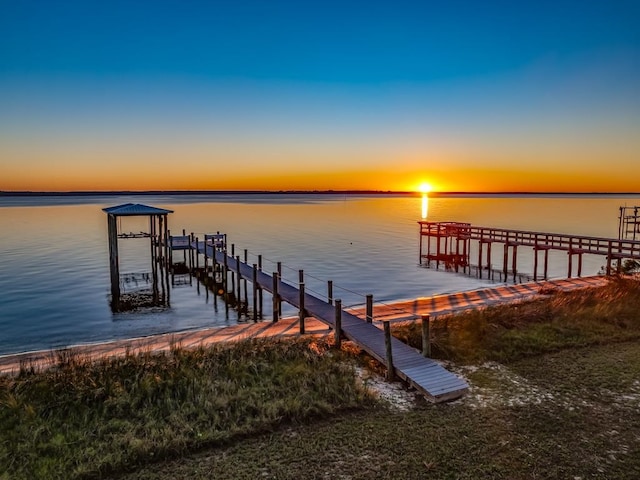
(316, 95)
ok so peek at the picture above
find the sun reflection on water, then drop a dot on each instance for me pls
(425, 206)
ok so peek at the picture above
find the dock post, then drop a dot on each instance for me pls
(214, 265)
(206, 258)
(302, 312)
(197, 254)
(330, 292)
(244, 282)
(420, 253)
(225, 283)
(239, 297)
(515, 260)
(114, 266)
(426, 336)
(489, 259)
(184, 252)
(610, 248)
(276, 313)
(535, 261)
(337, 332)
(505, 259)
(579, 264)
(260, 302)
(255, 292)
(369, 314)
(570, 253)
(279, 268)
(480, 257)
(546, 264)
(170, 240)
(389, 353)
(233, 275)
(191, 256)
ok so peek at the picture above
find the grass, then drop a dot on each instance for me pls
(555, 393)
(506, 333)
(87, 419)
(545, 430)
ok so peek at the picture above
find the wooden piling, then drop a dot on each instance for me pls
(426, 336)
(505, 267)
(388, 351)
(260, 302)
(337, 333)
(279, 268)
(225, 283)
(233, 274)
(244, 282)
(254, 282)
(369, 311)
(239, 297)
(330, 292)
(276, 303)
(302, 312)
(480, 258)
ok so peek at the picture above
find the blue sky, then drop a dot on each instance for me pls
(298, 88)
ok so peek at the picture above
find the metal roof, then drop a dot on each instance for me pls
(133, 209)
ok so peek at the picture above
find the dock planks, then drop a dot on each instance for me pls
(424, 374)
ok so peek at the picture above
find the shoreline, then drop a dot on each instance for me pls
(395, 312)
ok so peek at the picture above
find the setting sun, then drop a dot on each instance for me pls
(425, 187)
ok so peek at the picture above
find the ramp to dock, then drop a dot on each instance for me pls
(424, 374)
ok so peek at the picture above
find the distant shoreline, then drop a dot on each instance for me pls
(291, 192)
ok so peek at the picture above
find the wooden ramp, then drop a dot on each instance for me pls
(425, 375)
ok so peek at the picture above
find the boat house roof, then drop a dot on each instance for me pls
(135, 209)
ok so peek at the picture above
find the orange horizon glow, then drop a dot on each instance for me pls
(459, 181)
(406, 175)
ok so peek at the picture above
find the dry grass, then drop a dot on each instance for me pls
(509, 332)
(86, 419)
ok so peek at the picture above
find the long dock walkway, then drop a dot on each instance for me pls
(424, 374)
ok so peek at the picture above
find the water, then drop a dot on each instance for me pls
(54, 279)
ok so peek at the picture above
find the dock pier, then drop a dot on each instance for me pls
(424, 374)
(450, 244)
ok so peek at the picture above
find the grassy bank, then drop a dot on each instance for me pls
(555, 393)
(83, 419)
(562, 320)
(569, 415)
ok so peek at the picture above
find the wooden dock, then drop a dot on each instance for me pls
(452, 246)
(424, 374)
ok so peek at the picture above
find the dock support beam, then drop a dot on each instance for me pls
(369, 313)
(302, 313)
(276, 297)
(255, 292)
(389, 353)
(426, 336)
(337, 333)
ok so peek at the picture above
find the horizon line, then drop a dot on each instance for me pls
(297, 192)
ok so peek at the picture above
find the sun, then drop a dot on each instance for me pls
(425, 187)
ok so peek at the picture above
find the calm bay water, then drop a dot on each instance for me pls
(54, 274)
